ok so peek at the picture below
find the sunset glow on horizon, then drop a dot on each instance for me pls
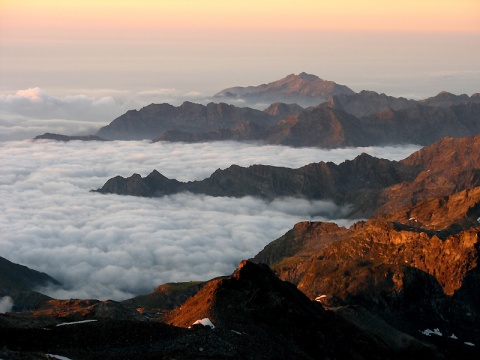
(204, 46)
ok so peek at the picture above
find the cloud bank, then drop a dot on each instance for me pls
(114, 247)
(34, 111)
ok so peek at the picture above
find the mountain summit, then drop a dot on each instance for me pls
(303, 89)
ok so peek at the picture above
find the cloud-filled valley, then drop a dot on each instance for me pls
(109, 246)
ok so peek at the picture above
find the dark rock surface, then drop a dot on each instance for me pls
(153, 120)
(20, 282)
(60, 137)
(256, 315)
(370, 185)
(417, 268)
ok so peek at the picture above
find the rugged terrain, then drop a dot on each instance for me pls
(368, 185)
(249, 315)
(300, 110)
(416, 268)
(334, 116)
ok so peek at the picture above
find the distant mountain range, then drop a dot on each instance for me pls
(367, 184)
(335, 117)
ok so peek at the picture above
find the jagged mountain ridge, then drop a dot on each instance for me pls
(416, 267)
(255, 314)
(367, 183)
(338, 183)
(342, 118)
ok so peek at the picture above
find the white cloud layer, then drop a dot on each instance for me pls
(31, 112)
(110, 246)
(6, 304)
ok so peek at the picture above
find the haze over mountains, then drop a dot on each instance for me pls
(337, 117)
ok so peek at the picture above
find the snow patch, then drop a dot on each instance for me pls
(469, 343)
(453, 337)
(236, 332)
(58, 357)
(76, 322)
(478, 220)
(204, 322)
(429, 332)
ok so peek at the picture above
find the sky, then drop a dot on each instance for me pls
(413, 48)
(114, 247)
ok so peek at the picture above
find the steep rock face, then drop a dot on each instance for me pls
(448, 166)
(303, 89)
(151, 121)
(254, 303)
(416, 268)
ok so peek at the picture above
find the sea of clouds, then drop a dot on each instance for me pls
(114, 247)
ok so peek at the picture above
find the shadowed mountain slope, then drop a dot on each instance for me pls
(19, 282)
(366, 183)
(417, 268)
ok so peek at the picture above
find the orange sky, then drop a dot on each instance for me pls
(18, 16)
(206, 45)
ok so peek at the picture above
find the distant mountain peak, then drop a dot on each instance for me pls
(304, 89)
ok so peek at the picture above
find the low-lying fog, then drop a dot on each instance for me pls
(114, 247)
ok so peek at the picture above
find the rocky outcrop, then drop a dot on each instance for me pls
(303, 89)
(254, 314)
(417, 268)
(274, 316)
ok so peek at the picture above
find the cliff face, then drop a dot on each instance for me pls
(417, 267)
(278, 319)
